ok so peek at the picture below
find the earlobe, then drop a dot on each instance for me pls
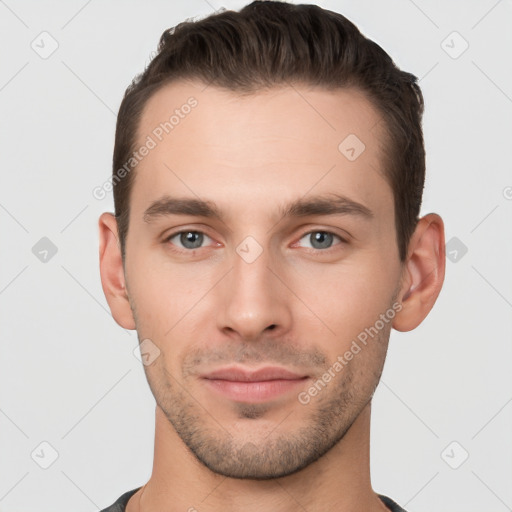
(423, 273)
(112, 272)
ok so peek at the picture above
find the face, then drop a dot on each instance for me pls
(262, 265)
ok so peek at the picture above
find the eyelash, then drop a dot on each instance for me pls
(333, 247)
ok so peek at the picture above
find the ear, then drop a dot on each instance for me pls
(423, 273)
(112, 272)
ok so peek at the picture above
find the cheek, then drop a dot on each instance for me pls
(161, 280)
(167, 296)
(345, 299)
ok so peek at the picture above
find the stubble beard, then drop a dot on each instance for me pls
(276, 454)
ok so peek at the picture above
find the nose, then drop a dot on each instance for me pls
(254, 302)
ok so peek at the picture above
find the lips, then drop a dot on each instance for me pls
(262, 385)
(263, 374)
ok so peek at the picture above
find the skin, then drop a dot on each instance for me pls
(298, 305)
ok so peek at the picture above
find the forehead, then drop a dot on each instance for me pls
(285, 140)
(321, 111)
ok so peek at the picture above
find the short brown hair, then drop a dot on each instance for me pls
(270, 43)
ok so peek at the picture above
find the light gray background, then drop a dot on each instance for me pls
(68, 373)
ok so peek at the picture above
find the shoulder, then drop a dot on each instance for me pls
(392, 505)
(120, 504)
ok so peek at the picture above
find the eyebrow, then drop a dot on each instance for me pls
(329, 204)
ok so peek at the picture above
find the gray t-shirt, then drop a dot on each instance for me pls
(120, 504)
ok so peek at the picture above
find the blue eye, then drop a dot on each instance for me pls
(188, 239)
(321, 240)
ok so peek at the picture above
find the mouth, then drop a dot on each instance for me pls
(255, 386)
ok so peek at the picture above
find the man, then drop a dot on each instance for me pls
(268, 174)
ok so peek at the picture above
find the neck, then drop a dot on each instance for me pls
(338, 481)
